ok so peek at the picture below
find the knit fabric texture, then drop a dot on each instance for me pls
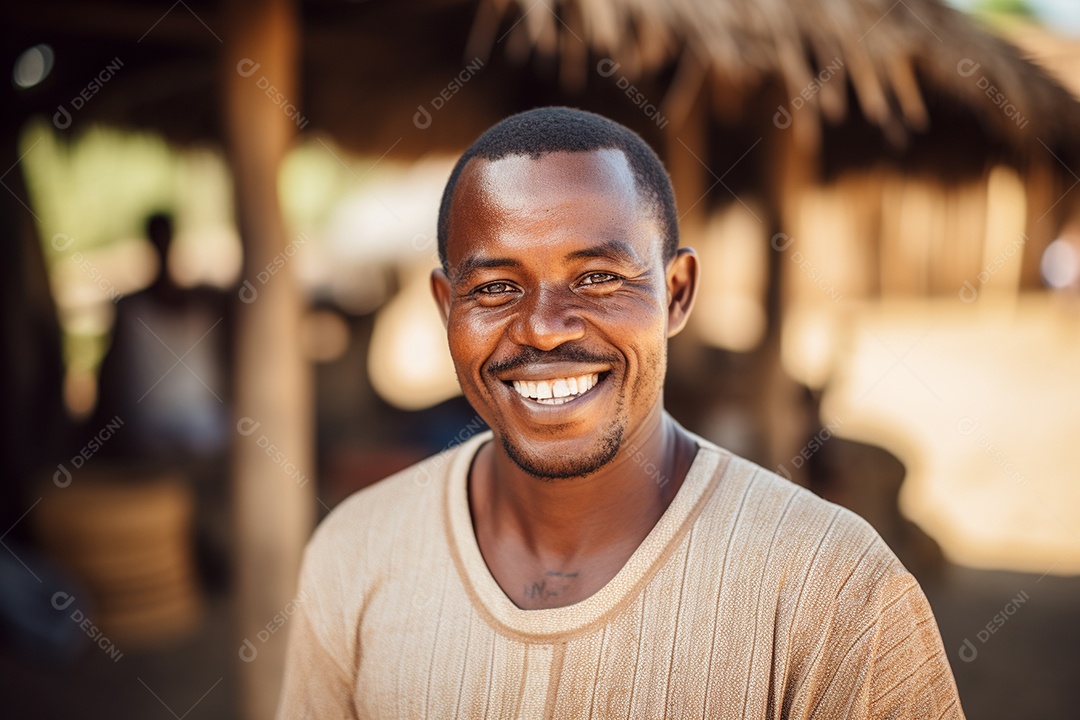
(750, 598)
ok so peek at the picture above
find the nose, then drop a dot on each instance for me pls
(547, 318)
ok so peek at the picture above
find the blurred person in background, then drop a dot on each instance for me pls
(164, 389)
(589, 557)
(165, 375)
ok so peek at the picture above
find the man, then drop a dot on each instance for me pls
(589, 557)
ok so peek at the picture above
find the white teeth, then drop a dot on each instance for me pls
(558, 390)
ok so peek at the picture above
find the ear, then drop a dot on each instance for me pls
(682, 284)
(440, 289)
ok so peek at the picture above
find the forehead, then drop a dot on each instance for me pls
(525, 203)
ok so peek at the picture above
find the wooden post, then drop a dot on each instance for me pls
(273, 494)
(686, 154)
(1044, 221)
(792, 157)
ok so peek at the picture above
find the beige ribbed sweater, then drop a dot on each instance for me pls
(750, 598)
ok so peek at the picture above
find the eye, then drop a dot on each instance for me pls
(495, 288)
(598, 278)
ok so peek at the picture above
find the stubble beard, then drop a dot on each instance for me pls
(551, 469)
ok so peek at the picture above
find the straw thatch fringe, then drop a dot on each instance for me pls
(892, 51)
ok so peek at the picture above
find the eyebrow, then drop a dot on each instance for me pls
(616, 250)
(479, 262)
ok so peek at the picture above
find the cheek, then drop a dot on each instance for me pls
(646, 350)
(641, 326)
(640, 314)
(462, 349)
(471, 342)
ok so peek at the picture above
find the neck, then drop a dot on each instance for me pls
(607, 511)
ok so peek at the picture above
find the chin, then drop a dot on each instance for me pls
(556, 459)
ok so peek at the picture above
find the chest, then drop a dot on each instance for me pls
(428, 651)
(532, 583)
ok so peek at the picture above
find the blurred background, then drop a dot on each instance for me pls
(218, 224)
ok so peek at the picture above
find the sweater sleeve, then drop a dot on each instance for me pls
(878, 654)
(320, 657)
(316, 685)
(909, 674)
(884, 659)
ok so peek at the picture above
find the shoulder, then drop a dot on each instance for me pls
(350, 558)
(841, 590)
(390, 506)
(774, 502)
(799, 535)
(861, 637)
(382, 524)
(369, 536)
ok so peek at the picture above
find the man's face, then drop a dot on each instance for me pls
(558, 305)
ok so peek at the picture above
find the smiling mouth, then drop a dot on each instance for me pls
(557, 390)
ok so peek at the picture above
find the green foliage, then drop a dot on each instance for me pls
(1013, 8)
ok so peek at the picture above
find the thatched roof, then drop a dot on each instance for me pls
(889, 51)
(900, 64)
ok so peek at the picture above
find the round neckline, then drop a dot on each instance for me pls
(549, 624)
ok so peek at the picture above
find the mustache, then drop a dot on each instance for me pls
(562, 353)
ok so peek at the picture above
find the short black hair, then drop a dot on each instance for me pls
(545, 130)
